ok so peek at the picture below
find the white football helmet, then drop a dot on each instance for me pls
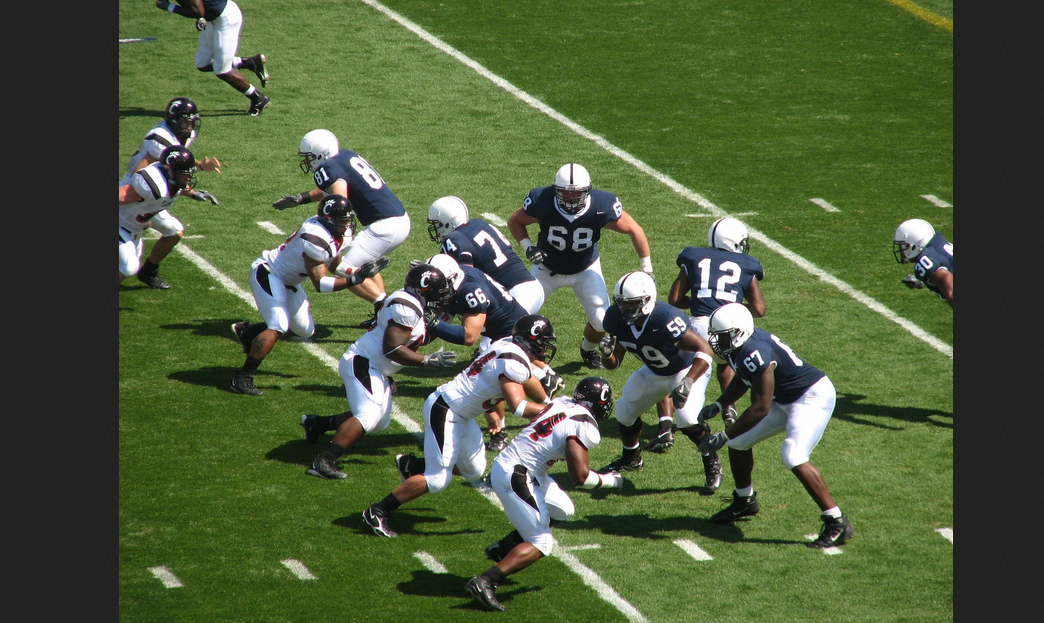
(316, 146)
(449, 267)
(445, 215)
(728, 234)
(910, 239)
(730, 326)
(572, 187)
(635, 295)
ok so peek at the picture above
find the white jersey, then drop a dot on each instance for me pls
(159, 138)
(151, 185)
(312, 240)
(477, 388)
(538, 446)
(403, 309)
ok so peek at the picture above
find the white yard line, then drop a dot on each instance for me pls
(823, 203)
(430, 562)
(692, 549)
(691, 195)
(270, 228)
(733, 215)
(164, 575)
(936, 201)
(297, 568)
(592, 579)
(493, 218)
(946, 533)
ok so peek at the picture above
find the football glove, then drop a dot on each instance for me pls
(415, 263)
(607, 346)
(681, 393)
(440, 359)
(535, 255)
(287, 201)
(730, 415)
(709, 412)
(912, 282)
(552, 383)
(711, 443)
(203, 195)
(201, 23)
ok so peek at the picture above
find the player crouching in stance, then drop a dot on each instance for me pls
(566, 430)
(366, 366)
(677, 363)
(788, 396)
(452, 438)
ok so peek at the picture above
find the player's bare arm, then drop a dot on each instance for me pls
(518, 222)
(515, 400)
(755, 300)
(943, 279)
(473, 324)
(396, 336)
(129, 195)
(577, 461)
(679, 294)
(763, 386)
(627, 225)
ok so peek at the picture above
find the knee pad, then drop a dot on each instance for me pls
(438, 482)
(790, 456)
(696, 432)
(560, 509)
(633, 429)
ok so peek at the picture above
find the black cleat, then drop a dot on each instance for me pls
(498, 441)
(244, 384)
(239, 328)
(377, 520)
(712, 469)
(323, 467)
(259, 68)
(592, 359)
(256, 106)
(500, 549)
(661, 442)
(407, 466)
(312, 432)
(835, 532)
(153, 281)
(623, 465)
(484, 591)
(740, 507)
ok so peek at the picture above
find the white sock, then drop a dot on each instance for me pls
(250, 92)
(587, 345)
(237, 62)
(833, 513)
(746, 492)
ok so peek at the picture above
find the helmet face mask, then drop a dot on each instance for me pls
(536, 336)
(595, 393)
(336, 214)
(429, 284)
(635, 296)
(180, 167)
(572, 188)
(445, 215)
(182, 117)
(316, 146)
(910, 239)
(728, 234)
(730, 326)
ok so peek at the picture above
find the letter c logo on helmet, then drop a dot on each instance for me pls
(425, 279)
(537, 327)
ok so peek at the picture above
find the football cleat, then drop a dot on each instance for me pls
(312, 432)
(712, 470)
(323, 467)
(259, 68)
(835, 532)
(661, 442)
(239, 329)
(623, 464)
(407, 466)
(256, 106)
(498, 441)
(244, 384)
(740, 507)
(153, 281)
(484, 591)
(592, 359)
(500, 549)
(376, 519)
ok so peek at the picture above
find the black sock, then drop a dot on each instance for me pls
(250, 366)
(494, 575)
(252, 331)
(389, 504)
(511, 539)
(148, 268)
(324, 423)
(333, 451)
(632, 453)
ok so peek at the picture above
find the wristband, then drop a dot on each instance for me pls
(704, 356)
(594, 480)
(171, 6)
(326, 284)
(526, 243)
(305, 197)
(646, 264)
(521, 408)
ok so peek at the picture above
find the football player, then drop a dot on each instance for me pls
(452, 438)
(366, 367)
(474, 242)
(789, 396)
(722, 272)
(312, 252)
(676, 362)
(487, 313)
(144, 197)
(219, 23)
(344, 172)
(917, 241)
(571, 215)
(178, 128)
(566, 430)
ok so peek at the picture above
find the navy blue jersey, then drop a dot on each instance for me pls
(570, 242)
(656, 343)
(212, 9)
(483, 246)
(717, 277)
(370, 196)
(793, 376)
(938, 253)
(478, 294)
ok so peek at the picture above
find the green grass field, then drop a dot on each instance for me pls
(696, 108)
